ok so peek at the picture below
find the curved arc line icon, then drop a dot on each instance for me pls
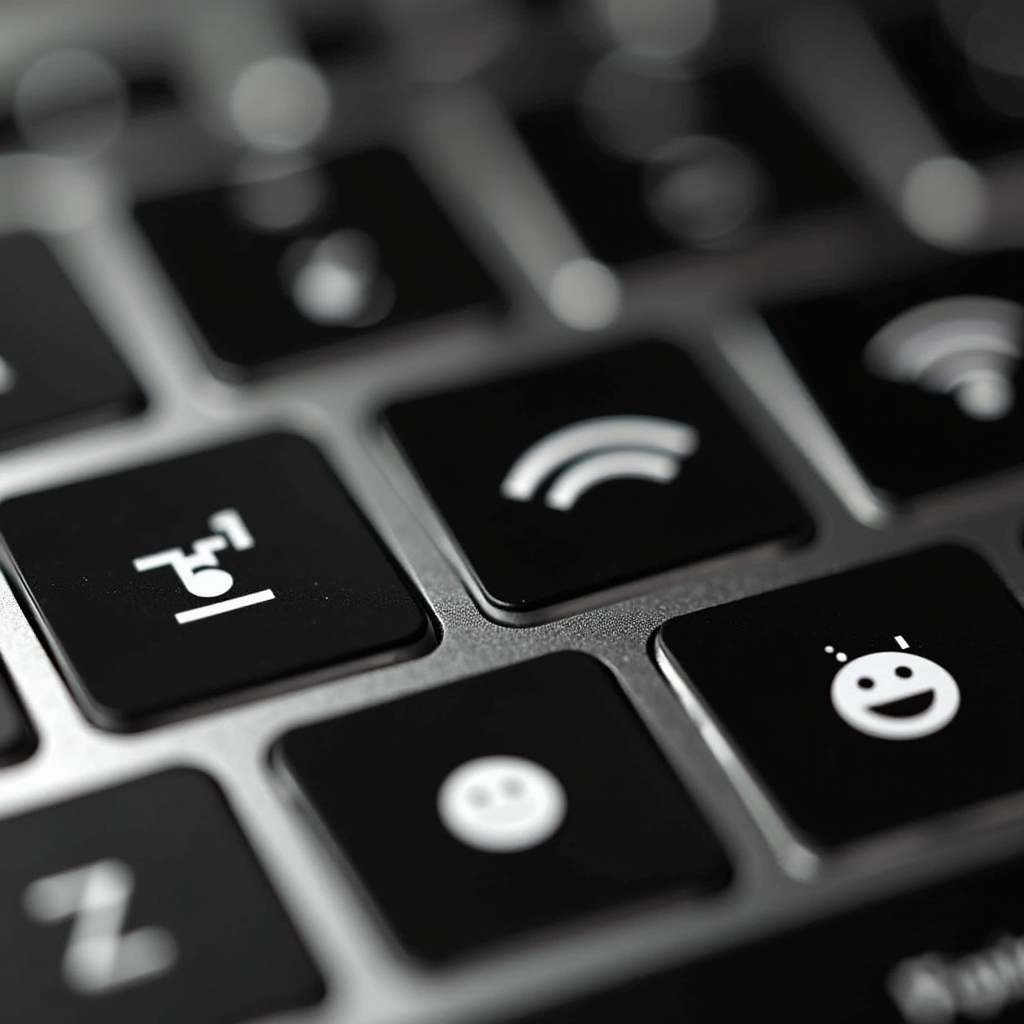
(595, 451)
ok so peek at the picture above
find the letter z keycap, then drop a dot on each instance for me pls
(142, 903)
(188, 580)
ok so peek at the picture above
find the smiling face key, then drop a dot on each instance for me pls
(894, 695)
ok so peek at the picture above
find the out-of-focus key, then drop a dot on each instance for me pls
(922, 377)
(947, 954)
(57, 369)
(294, 256)
(143, 903)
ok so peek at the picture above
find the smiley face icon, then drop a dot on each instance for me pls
(893, 695)
(501, 804)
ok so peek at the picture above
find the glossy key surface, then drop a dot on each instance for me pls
(559, 483)
(189, 580)
(867, 700)
(501, 805)
(143, 902)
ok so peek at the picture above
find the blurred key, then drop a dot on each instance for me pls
(294, 256)
(646, 162)
(57, 368)
(963, 60)
(143, 902)
(952, 952)
(922, 376)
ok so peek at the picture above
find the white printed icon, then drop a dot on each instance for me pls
(501, 804)
(200, 572)
(595, 451)
(100, 957)
(967, 347)
(893, 695)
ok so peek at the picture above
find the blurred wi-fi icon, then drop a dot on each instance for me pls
(967, 347)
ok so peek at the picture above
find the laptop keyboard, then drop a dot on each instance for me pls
(512, 512)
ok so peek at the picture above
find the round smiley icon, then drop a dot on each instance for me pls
(501, 804)
(893, 695)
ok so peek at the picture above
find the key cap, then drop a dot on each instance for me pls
(932, 362)
(143, 903)
(192, 579)
(57, 368)
(964, 74)
(948, 953)
(16, 740)
(514, 827)
(867, 700)
(302, 257)
(691, 164)
(571, 479)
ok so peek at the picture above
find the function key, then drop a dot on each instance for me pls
(189, 580)
(571, 479)
(870, 699)
(292, 257)
(949, 953)
(922, 377)
(57, 368)
(143, 903)
(531, 795)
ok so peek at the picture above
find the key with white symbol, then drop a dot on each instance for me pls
(200, 572)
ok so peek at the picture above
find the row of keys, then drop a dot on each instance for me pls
(937, 358)
(249, 564)
(521, 820)
(519, 830)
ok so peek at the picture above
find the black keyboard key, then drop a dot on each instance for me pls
(870, 699)
(571, 479)
(143, 903)
(923, 377)
(959, 73)
(57, 368)
(16, 739)
(952, 952)
(191, 579)
(531, 796)
(279, 267)
(741, 156)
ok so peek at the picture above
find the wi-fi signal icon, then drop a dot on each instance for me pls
(967, 347)
(592, 452)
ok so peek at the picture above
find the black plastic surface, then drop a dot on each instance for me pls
(193, 886)
(630, 831)
(336, 594)
(526, 554)
(762, 667)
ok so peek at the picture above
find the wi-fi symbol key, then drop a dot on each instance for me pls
(583, 455)
(968, 347)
